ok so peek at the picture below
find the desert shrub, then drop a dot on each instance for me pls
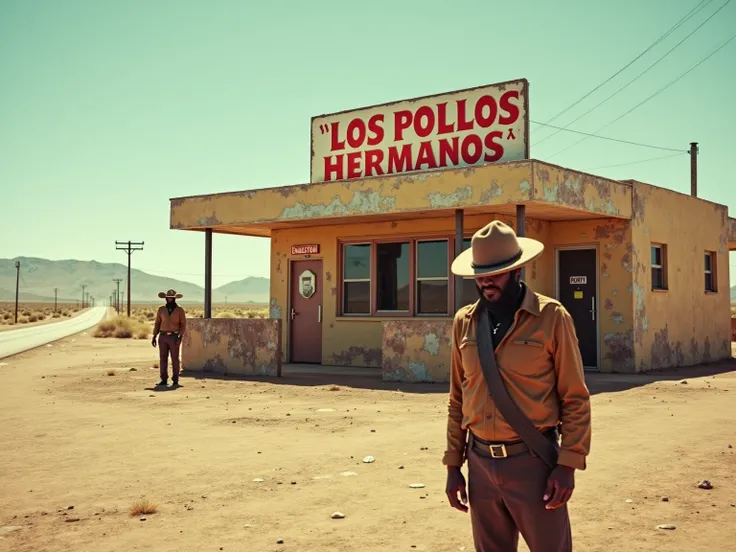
(22, 320)
(57, 315)
(142, 507)
(121, 327)
(226, 315)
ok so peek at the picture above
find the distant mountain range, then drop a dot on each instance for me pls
(39, 277)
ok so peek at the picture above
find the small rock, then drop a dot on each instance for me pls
(280, 541)
(70, 508)
(629, 501)
(143, 519)
(369, 459)
(373, 430)
(684, 382)
(730, 446)
(338, 515)
(71, 519)
(348, 473)
(666, 527)
(705, 484)
(133, 370)
(665, 499)
(258, 480)
(417, 485)
(401, 467)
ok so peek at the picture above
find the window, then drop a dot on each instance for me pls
(470, 290)
(710, 271)
(392, 289)
(356, 270)
(659, 275)
(433, 285)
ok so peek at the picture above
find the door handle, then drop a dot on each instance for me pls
(293, 313)
(592, 306)
(319, 313)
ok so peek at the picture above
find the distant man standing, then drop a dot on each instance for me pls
(171, 323)
(516, 383)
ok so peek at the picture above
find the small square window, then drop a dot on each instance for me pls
(659, 267)
(710, 271)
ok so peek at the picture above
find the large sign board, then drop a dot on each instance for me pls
(457, 129)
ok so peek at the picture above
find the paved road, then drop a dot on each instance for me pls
(16, 341)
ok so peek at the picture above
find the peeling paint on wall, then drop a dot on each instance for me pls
(357, 355)
(619, 351)
(233, 346)
(274, 310)
(361, 203)
(451, 199)
(417, 350)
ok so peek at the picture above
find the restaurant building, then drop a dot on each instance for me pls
(360, 256)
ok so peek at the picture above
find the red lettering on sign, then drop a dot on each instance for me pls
(333, 167)
(426, 156)
(462, 122)
(486, 111)
(335, 144)
(449, 149)
(471, 149)
(354, 159)
(356, 133)
(373, 160)
(424, 128)
(442, 126)
(305, 249)
(398, 163)
(511, 109)
(493, 145)
(376, 129)
(402, 121)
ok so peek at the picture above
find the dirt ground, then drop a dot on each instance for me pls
(237, 465)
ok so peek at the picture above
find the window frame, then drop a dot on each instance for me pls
(713, 271)
(662, 266)
(374, 242)
(447, 278)
(343, 281)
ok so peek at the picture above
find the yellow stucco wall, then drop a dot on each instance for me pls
(560, 186)
(351, 341)
(612, 238)
(684, 325)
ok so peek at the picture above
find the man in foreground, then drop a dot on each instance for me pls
(516, 380)
(171, 323)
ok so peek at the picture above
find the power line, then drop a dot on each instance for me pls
(129, 247)
(687, 16)
(607, 138)
(665, 87)
(635, 162)
(596, 106)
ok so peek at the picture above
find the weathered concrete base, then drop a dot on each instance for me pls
(247, 347)
(416, 350)
(733, 329)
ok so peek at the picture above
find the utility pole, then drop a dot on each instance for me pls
(129, 247)
(694, 169)
(17, 283)
(117, 281)
(56, 294)
(84, 286)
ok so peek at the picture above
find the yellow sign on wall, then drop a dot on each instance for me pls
(578, 294)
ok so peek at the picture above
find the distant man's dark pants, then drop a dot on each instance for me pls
(167, 344)
(506, 497)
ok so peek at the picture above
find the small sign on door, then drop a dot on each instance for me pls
(578, 280)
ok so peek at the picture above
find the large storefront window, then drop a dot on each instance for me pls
(356, 270)
(432, 288)
(393, 289)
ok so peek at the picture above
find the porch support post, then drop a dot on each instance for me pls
(458, 249)
(208, 273)
(521, 229)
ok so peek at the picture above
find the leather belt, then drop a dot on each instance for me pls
(171, 333)
(504, 450)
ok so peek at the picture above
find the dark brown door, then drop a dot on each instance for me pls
(305, 311)
(578, 293)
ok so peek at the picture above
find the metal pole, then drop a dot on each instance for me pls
(694, 169)
(83, 287)
(208, 273)
(459, 233)
(17, 283)
(521, 229)
(56, 295)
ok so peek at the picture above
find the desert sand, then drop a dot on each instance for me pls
(238, 465)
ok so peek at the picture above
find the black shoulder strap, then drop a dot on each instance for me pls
(533, 438)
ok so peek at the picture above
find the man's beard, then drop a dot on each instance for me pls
(508, 299)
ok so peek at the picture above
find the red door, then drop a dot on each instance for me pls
(306, 311)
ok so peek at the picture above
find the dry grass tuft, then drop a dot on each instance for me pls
(34, 312)
(142, 507)
(122, 327)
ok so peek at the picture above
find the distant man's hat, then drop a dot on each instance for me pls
(170, 293)
(495, 249)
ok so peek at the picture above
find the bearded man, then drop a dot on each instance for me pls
(516, 384)
(171, 323)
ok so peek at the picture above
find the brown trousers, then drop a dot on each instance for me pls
(167, 344)
(506, 498)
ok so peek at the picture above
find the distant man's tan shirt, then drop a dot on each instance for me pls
(540, 363)
(174, 322)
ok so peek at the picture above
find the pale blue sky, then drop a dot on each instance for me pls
(109, 109)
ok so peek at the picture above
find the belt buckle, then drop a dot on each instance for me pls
(501, 448)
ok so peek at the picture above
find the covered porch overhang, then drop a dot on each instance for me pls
(522, 189)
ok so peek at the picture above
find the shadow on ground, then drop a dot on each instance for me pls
(597, 383)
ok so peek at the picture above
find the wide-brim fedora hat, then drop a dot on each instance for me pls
(170, 293)
(495, 249)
